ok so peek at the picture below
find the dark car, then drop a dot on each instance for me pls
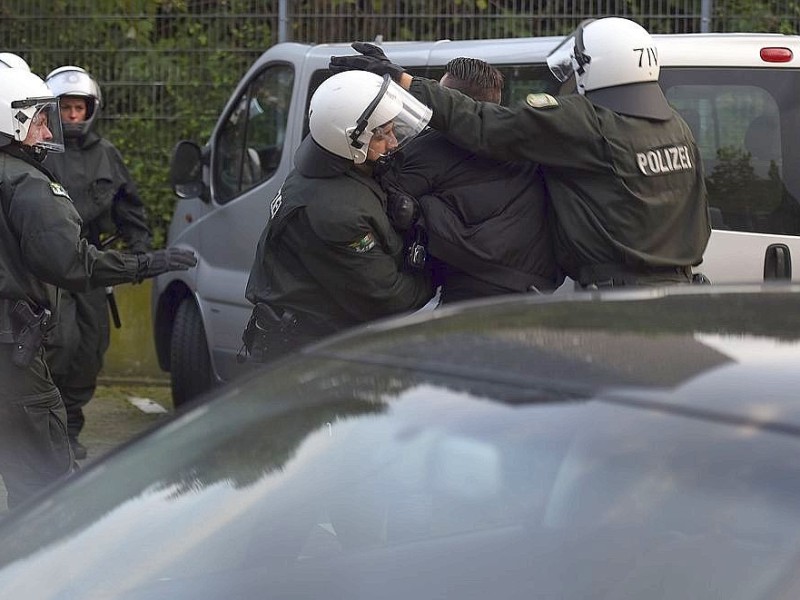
(637, 444)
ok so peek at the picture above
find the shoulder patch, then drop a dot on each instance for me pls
(541, 101)
(364, 244)
(59, 190)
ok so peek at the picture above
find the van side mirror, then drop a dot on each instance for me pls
(186, 170)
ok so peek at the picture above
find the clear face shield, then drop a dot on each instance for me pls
(569, 58)
(560, 60)
(392, 119)
(37, 122)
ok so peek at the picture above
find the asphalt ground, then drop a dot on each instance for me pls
(118, 412)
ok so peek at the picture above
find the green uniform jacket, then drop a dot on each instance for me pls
(624, 190)
(40, 244)
(328, 252)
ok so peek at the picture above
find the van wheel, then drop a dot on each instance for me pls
(190, 365)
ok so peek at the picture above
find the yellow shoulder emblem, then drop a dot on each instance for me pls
(541, 101)
(59, 190)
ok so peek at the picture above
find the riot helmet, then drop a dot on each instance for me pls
(13, 61)
(350, 109)
(614, 63)
(29, 114)
(74, 82)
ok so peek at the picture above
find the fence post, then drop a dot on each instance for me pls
(705, 15)
(283, 20)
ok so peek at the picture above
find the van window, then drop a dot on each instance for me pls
(737, 117)
(520, 80)
(250, 142)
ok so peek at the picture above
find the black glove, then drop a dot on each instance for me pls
(161, 261)
(416, 256)
(371, 58)
(402, 209)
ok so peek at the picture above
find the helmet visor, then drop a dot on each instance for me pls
(393, 118)
(569, 55)
(409, 122)
(560, 60)
(38, 123)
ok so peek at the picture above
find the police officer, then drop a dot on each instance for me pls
(92, 171)
(41, 250)
(621, 166)
(329, 258)
(485, 221)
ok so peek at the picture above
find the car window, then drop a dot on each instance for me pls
(250, 142)
(316, 79)
(738, 118)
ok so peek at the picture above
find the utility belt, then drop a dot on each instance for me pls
(614, 275)
(269, 335)
(24, 326)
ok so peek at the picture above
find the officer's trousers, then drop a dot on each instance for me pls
(77, 346)
(34, 448)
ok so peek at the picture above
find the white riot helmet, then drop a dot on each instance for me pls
(76, 82)
(13, 61)
(615, 64)
(26, 104)
(348, 108)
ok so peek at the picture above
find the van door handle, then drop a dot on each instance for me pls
(778, 262)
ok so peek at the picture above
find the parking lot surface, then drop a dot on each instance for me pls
(117, 413)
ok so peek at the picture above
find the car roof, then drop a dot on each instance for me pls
(675, 50)
(721, 353)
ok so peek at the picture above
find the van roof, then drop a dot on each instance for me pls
(675, 50)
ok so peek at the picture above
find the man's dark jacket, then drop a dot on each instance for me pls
(93, 172)
(487, 220)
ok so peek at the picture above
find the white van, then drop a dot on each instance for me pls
(740, 93)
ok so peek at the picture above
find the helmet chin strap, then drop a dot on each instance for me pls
(383, 159)
(37, 153)
(363, 121)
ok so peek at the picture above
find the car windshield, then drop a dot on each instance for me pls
(328, 477)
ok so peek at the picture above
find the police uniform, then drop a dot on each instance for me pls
(328, 254)
(40, 248)
(627, 193)
(486, 220)
(94, 174)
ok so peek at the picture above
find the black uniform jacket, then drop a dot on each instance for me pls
(40, 243)
(484, 217)
(328, 252)
(95, 176)
(100, 186)
(624, 190)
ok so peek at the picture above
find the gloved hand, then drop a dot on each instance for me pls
(371, 58)
(402, 209)
(162, 261)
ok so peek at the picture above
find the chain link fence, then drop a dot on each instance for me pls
(166, 67)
